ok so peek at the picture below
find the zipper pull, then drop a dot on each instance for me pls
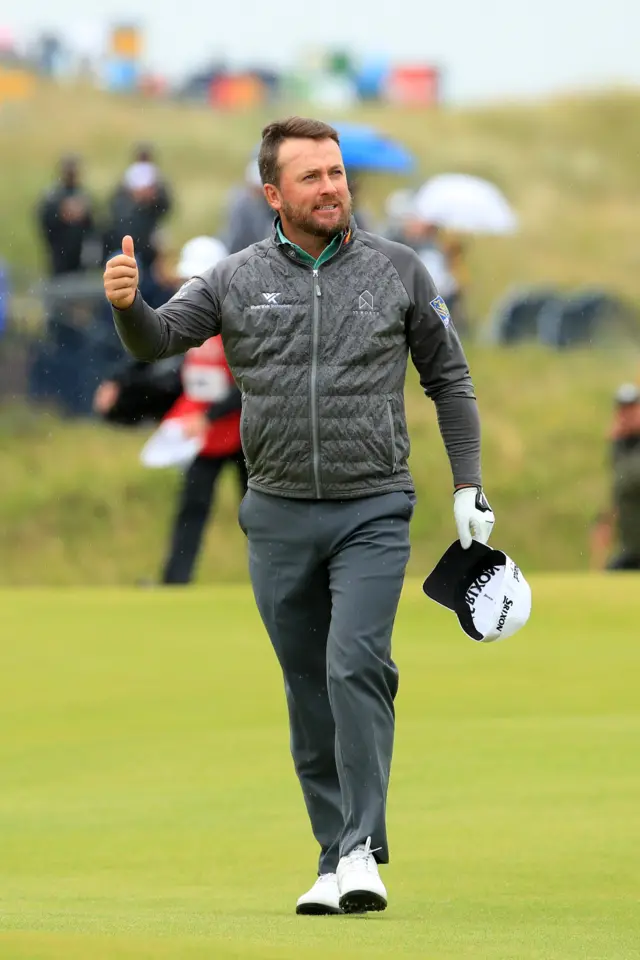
(315, 277)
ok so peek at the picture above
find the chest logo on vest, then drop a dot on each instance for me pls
(365, 301)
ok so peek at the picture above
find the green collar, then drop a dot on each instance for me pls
(326, 254)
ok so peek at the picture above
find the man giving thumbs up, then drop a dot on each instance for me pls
(121, 277)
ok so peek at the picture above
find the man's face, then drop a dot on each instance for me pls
(312, 194)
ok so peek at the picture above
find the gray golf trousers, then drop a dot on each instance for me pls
(327, 577)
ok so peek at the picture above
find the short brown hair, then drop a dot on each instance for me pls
(275, 133)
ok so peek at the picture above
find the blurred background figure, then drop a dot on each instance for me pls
(65, 360)
(199, 392)
(66, 220)
(135, 393)
(432, 250)
(441, 253)
(145, 152)
(400, 222)
(621, 524)
(249, 216)
(363, 217)
(209, 408)
(451, 206)
(137, 208)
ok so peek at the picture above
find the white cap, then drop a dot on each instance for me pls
(199, 254)
(627, 393)
(484, 587)
(140, 176)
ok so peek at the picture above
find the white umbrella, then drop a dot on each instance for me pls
(460, 202)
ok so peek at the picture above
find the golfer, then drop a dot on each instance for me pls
(317, 324)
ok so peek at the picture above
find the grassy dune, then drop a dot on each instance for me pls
(77, 507)
(569, 166)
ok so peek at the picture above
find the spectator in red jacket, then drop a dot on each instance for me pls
(209, 408)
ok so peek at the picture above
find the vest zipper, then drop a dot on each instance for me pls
(313, 386)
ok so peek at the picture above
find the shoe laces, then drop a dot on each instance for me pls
(364, 852)
(325, 877)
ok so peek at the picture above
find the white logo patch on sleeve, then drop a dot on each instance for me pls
(441, 309)
(184, 289)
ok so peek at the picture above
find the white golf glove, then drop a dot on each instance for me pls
(473, 515)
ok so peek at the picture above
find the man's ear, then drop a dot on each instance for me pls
(272, 195)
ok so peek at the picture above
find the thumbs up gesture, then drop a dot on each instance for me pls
(121, 277)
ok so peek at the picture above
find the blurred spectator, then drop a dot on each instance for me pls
(144, 152)
(363, 218)
(249, 218)
(135, 392)
(442, 253)
(401, 224)
(404, 226)
(454, 251)
(622, 522)
(205, 400)
(48, 54)
(209, 408)
(137, 208)
(442, 257)
(66, 219)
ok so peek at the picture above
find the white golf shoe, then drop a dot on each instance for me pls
(359, 883)
(322, 899)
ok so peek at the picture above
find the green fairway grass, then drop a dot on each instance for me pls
(149, 809)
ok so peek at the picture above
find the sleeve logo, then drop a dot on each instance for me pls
(441, 309)
(184, 289)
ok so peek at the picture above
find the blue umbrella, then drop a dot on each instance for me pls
(364, 148)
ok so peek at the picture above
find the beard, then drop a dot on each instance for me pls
(303, 220)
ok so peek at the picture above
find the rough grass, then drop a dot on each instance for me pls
(78, 508)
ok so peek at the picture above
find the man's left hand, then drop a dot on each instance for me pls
(473, 515)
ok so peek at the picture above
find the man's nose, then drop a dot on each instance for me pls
(328, 185)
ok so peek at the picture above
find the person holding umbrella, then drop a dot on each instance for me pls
(449, 206)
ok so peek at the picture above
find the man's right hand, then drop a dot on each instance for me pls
(121, 277)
